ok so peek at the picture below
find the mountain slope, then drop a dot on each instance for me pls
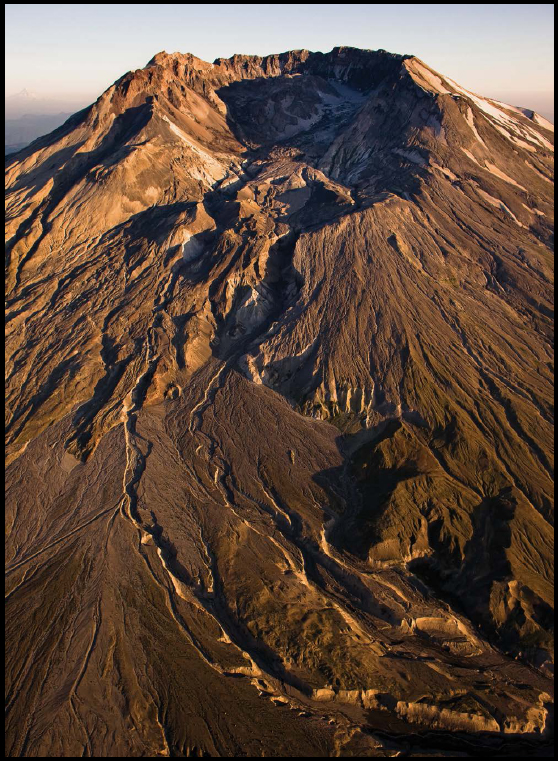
(279, 406)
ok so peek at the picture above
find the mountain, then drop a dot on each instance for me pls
(18, 133)
(14, 147)
(279, 416)
(27, 117)
(28, 103)
(20, 102)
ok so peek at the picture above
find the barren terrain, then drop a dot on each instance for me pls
(279, 416)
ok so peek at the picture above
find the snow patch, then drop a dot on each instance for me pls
(499, 205)
(534, 168)
(433, 82)
(470, 155)
(445, 170)
(493, 169)
(534, 211)
(502, 118)
(543, 122)
(471, 122)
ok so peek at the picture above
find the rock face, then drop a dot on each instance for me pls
(279, 406)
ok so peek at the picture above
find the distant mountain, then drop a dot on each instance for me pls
(14, 147)
(279, 387)
(29, 117)
(22, 99)
(27, 103)
(20, 132)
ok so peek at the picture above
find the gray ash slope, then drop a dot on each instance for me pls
(279, 416)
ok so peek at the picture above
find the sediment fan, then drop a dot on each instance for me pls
(279, 392)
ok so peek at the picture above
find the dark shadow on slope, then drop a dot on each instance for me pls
(468, 583)
(297, 117)
(416, 740)
(367, 494)
(68, 367)
(292, 102)
(358, 70)
(466, 579)
(278, 289)
(84, 418)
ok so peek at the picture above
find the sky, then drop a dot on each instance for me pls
(76, 51)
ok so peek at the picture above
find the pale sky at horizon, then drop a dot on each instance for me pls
(78, 50)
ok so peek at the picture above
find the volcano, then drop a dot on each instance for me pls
(279, 416)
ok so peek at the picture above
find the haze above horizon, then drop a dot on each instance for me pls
(74, 52)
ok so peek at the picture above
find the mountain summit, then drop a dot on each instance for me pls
(22, 95)
(279, 416)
